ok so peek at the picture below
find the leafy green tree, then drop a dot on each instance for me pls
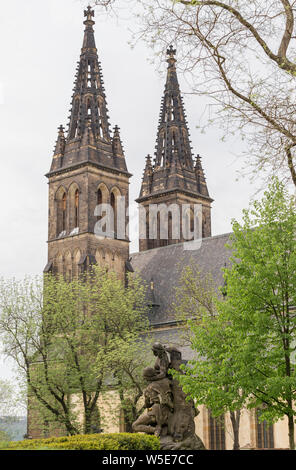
(55, 329)
(258, 315)
(209, 379)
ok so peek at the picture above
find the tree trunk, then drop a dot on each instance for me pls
(235, 421)
(291, 432)
(87, 422)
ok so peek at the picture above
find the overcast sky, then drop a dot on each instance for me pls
(40, 44)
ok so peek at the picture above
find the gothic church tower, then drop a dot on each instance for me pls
(88, 168)
(173, 177)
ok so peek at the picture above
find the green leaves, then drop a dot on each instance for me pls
(246, 350)
(69, 338)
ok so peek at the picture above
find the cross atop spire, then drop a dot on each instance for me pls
(89, 13)
(171, 52)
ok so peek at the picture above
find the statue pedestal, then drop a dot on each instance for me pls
(192, 442)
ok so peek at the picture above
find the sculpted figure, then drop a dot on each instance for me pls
(159, 404)
(181, 423)
(162, 362)
(169, 415)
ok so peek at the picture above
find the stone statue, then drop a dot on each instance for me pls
(169, 415)
(159, 404)
(162, 362)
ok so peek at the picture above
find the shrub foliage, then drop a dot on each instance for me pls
(116, 441)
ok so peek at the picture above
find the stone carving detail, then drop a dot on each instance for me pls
(168, 414)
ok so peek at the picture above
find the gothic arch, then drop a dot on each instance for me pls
(108, 258)
(188, 228)
(61, 207)
(74, 198)
(114, 194)
(104, 192)
(100, 257)
(59, 264)
(68, 263)
(101, 197)
(76, 259)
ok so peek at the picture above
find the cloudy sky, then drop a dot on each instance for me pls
(40, 44)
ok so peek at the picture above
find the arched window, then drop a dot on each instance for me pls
(99, 201)
(170, 227)
(88, 108)
(114, 207)
(188, 229)
(100, 128)
(99, 197)
(76, 214)
(88, 74)
(64, 211)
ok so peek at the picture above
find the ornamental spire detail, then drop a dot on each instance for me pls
(88, 135)
(173, 167)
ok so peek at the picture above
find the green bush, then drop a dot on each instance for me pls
(116, 441)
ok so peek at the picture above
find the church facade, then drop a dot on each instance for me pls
(89, 171)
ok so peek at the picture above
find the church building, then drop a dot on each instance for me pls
(89, 169)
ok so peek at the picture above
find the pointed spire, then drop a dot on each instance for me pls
(118, 152)
(147, 177)
(88, 99)
(59, 149)
(200, 177)
(88, 119)
(116, 143)
(60, 143)
(173, 164)
(173, 142)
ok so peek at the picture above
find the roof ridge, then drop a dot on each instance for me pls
(181, 243)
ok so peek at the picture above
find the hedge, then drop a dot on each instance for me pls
(116, 441)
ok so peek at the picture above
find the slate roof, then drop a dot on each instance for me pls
(163, 266)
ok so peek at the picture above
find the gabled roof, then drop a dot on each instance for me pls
(162, 267)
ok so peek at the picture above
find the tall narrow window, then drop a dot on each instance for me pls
(64, 211)
(113, 205)
(100, 127)
(99, 197)
(99, 202)
(76, 220)
(89, 108)
(216, 432)
(191, 221)
(170, 228)
(265, 438)
(174, 141)
(88, 74)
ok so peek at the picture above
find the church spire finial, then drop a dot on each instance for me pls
(171, 52)
(89, 13)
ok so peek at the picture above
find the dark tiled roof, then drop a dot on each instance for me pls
(163, 266)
